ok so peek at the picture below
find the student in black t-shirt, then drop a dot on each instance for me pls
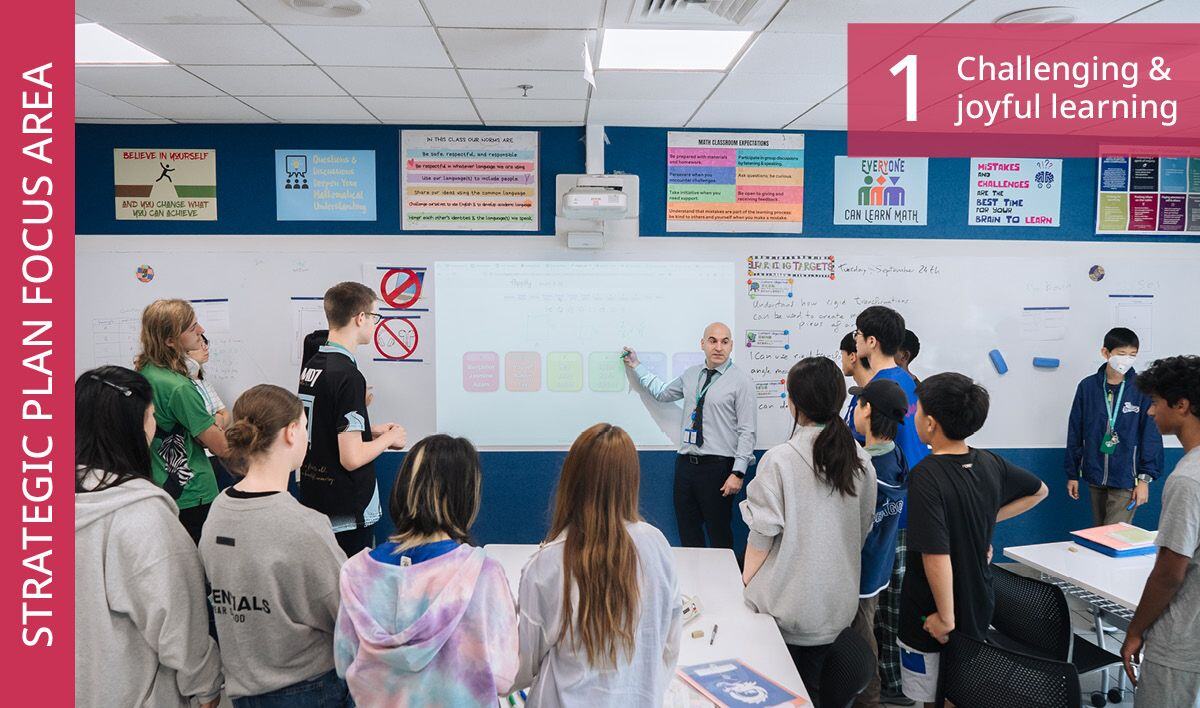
(338, 474)
(955, 497)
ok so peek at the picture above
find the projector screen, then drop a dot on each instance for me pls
(528, 353)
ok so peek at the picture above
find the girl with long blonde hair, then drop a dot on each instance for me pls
(599, 610)
(184, 425)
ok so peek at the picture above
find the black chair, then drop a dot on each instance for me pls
(1032, 617)
(975, 674)
(847, 670)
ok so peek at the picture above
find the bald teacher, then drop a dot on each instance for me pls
(717, 442)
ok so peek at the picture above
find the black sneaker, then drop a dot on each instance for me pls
(896, 699)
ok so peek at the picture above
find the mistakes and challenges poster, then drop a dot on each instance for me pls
(880, 191)
(735, 182)
(1145, 192)
(325, 185)
(165, 184)
(1015, 192)
(458, 180)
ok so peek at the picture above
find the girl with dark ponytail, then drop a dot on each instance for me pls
(809, 508)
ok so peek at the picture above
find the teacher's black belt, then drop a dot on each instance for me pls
(705, 459)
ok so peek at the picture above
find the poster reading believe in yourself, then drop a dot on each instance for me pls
(165, 184)
(1148, 193)
(325, 185)
(880, 191)
(456, 180)
(735, 182)
(1015, 192)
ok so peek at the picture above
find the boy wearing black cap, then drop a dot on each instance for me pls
(880, 410)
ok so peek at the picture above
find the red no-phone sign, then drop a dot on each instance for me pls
(401, 287)
(396, 338)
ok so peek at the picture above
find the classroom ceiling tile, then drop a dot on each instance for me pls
(125, 121)
(825, 116)
(213, 44)
(421, 110)
(785, 88)
(269, 80)
(195, 108)
(1102, 11)
(389, 81)
(385, 13)
(570, 14)
(517, 109)
(80, 20)
(308, 107)
(655, 85)
(368, 46)
(159, 80)
(832, 17)
(517, 49)
(503, 83)
(667, 114)
(90, 103)
(1167, 11)
(746, 114)
(781, 53)
(166, 12)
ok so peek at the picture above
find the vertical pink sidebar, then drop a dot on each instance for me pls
(523, 371)
(481, 372)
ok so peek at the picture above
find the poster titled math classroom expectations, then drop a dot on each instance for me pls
(458, 180)
(735, 182)
(165, 184)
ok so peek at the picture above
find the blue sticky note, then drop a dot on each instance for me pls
(998, 362)
(1045, 362)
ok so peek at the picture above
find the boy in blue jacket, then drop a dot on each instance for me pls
(880, 410)
(1112, 444)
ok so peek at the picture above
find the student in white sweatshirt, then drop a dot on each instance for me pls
(809, 509)
(273, 565)
(599, 614)
(141, 627)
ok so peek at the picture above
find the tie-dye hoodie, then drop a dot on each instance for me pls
(442, 632)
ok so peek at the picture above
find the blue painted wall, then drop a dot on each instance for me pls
(519, 487)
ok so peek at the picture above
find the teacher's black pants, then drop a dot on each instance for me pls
(699, 506)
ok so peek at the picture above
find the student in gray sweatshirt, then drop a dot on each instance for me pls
(809, 508)
(273, 565)
(141, 628)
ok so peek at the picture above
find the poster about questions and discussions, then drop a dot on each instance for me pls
(325, 185)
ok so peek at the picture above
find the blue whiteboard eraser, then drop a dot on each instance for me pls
(998, 362)
(1045, 362)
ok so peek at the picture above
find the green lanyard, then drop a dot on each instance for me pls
(1113, 409)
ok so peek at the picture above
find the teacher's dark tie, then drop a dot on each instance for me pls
(698, 422)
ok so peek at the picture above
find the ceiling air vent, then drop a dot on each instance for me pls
(1055, 14)
(716, 13)
(330, 8)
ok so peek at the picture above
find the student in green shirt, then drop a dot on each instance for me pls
(185, 427)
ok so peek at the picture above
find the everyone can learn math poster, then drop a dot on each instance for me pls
(1015, 192)
(735, 182)
(1148, 193)
(880, 191)
(325, 185)
(456, 180)
(165, 184)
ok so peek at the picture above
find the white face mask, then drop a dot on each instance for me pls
(193, 366)
(1121, 363)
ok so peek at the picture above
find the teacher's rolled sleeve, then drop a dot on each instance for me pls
(664, 392)
(747, 424)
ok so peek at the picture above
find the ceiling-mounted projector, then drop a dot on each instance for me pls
(600, 197)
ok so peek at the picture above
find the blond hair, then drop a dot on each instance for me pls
(437, 491)
(164, 320)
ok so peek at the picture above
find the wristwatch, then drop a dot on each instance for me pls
(1145, 478)
(739, 475)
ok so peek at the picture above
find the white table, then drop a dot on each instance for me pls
(711, 575)
(1111, 586)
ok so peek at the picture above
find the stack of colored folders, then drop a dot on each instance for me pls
(1117, 540)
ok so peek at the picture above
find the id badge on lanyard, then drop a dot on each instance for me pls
(1108, 443)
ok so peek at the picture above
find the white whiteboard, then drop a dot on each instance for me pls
(963, 298)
